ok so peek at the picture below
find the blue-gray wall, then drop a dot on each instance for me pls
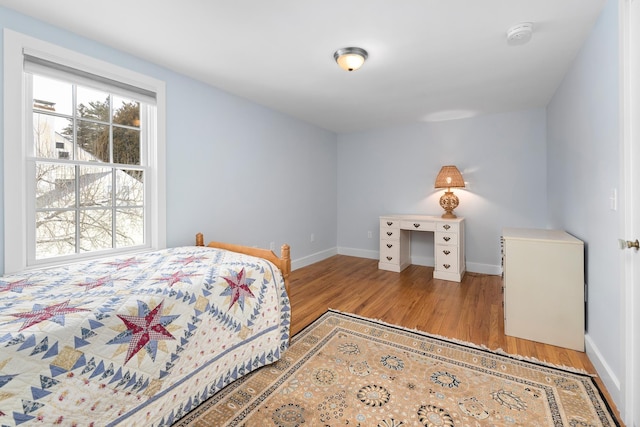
(583, 156)
(236, 171)
(502, 158)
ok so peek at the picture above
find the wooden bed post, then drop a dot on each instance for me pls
(285, 264)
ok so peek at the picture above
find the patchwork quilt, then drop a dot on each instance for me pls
(137, 340)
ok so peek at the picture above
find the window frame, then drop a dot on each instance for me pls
(18, 208)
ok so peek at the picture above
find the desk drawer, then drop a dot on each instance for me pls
(388, 223)
(446, 258)
(389, 234)
(390, 252)
(451, 227)
(443, 238)
(389, 245)
(417, 225)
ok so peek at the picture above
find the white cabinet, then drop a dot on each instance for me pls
(395, 243)
(544, 286)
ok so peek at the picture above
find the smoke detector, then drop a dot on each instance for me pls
(520, 33)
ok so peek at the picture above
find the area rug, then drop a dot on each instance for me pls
(345, 370)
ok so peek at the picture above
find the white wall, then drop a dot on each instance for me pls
(584, 143)
(236, 171)
(502, 158)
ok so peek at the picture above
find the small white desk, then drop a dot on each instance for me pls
(395, 243)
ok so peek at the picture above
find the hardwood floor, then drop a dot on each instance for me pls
(469, 311)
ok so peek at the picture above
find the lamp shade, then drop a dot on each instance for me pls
(449, 177)
(350, 58)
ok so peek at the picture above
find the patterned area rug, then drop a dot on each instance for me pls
(347, 370)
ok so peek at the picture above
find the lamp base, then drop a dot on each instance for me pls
(449, 202)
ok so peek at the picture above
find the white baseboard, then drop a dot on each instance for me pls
(360, 253)
(313, 258)
(473, 267)
(477, 267)
(606, 374)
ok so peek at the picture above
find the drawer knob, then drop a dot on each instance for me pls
(446, 252)
(389, 245)
(389, 233)
(416, 225)
(446, 238)
(389, 258)
(389, 223)
(446, 226)
(446, 266)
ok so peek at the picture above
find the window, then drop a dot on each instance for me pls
(88, 152)
(84, 158)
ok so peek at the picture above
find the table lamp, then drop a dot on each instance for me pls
(449, 177)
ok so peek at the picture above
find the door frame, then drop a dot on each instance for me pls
(630, 227)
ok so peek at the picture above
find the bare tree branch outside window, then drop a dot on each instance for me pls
(89, 184)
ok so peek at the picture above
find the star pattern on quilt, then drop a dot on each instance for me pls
(238, 288)
(121, 264)
(177, 277)
(101, 281)
(134, 344)
(39, 313)
(188, 260)
(144, 330)
(16, 286)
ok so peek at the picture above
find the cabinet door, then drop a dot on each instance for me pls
(544, 292)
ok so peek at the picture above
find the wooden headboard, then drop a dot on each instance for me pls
(283, 262)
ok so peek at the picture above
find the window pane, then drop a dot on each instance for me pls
(92, 104)
(93, 141)
(55, 234)
(95, 230)
(55, 186)
(95, 186)
(126, 146)
(126, 112)
(52, 136)
(129, 187)
(52, 95)
(129, 227)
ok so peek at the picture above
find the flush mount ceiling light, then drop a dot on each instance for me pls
(520, 33)
(350, 58)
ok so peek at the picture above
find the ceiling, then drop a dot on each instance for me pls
(429, 60)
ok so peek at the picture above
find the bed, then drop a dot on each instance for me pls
(138, 340)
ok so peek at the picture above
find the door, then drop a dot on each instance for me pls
(633, 288)
(630, 25)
